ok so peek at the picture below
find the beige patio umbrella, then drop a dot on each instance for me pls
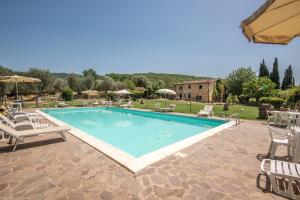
(18, 79)
(165, 92)
(90, 92)
(275, 22)
(122, 92)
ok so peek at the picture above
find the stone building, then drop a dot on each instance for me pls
(197, 90)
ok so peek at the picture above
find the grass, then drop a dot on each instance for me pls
(52, 104)
(246, 112)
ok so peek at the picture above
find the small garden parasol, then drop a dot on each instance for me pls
(165, 92)
(18, 79)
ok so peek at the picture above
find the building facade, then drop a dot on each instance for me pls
(198, 90)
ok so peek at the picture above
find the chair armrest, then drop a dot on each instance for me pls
(262, 166)
(286, 133)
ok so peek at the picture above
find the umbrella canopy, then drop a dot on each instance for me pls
(90, 92)
(18, 79)
(122, 92)
(275, 22)
(166, 91)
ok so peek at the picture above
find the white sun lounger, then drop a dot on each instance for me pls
(168, 109)
(21, 135)
(23, 125)
(127, 105)
(207, 111)
(157, 106)
(96, 103)
(287, 171)
(21, 116)
(62, 104)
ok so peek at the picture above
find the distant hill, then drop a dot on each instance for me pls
(64, 75)
(170, 77)
(60, 75)
(167, 78)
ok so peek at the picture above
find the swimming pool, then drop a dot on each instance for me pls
(133, 134)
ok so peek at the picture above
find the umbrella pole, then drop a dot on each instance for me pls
(165, 100)
(17, 90)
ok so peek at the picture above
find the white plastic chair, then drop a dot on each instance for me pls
(284, 118)
(207, 111)
(279, 137)
(297, 121)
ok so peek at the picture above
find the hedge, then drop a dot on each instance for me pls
(275, 101)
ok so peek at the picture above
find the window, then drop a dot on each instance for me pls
(180, 87)
(200, 87)
(189, 96)
(189, 86)
(200, 98)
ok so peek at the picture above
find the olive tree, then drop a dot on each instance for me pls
(106, 84)
(257, 88)
(236, 78)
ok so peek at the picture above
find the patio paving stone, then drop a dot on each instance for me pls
(224, 166)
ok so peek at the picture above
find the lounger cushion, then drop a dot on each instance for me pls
(32, 132)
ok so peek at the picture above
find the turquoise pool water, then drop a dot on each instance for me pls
(135, 132)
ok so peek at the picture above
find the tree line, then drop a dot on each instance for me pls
(244, 85)
(241, 85)
(288, 80)
(90, 80)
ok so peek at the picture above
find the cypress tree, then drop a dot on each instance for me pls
(263, 69)
(274, 75)
(288, 79)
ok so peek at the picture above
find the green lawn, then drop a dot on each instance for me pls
(246, 112)
(52, 104)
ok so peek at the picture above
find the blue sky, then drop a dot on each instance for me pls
(125, 36)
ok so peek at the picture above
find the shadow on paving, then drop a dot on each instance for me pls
(26, 145)
(283, 185)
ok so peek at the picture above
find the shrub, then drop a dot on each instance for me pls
(67, 94)
(229, 99)
(274, 101)
(236, 99)
(283, 94)
(294, 96)
(252, 101)
(232, 99)
(136, 94)
(112, 96)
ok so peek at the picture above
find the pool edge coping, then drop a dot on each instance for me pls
(132, 163)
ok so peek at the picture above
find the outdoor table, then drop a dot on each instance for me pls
(290, 116)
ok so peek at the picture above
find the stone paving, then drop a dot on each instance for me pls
(224, 166)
